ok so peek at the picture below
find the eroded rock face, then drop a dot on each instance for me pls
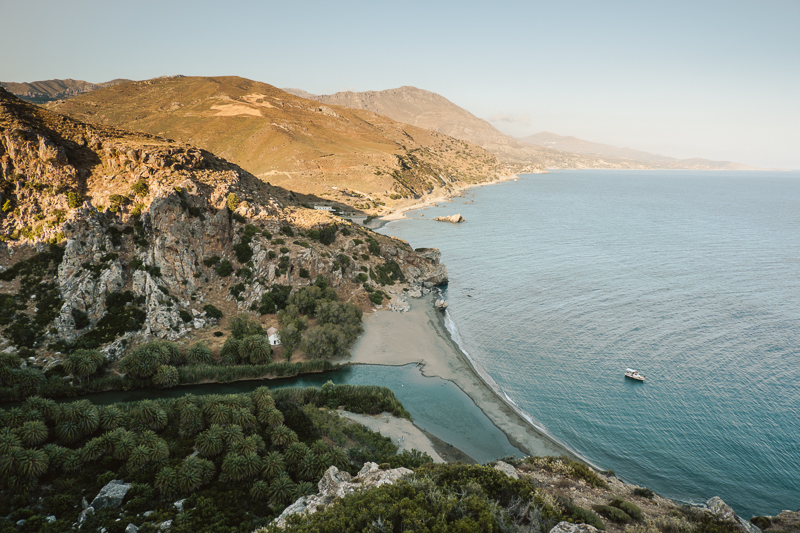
(335, 484)
(724, 511)
(567, 527)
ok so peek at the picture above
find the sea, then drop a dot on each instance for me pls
(561, 281)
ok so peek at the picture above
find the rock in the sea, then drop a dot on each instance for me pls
(566, 527)
(724, 511)
(440, 304)
(455, 219)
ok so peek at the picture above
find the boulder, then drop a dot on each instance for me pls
(724, 511)
(507, 469)
(111, 495)
(566, 527)
(335, 484)
(455, 219)
(440, 304)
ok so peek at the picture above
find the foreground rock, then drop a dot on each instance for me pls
(455, 219)
(335, 484)
(725, 512)
(109, 496)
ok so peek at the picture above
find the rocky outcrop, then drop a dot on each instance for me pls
(455, 219)
(335, 484)
(568, 527)
(722, 510)
(440, 304)
(109, 496)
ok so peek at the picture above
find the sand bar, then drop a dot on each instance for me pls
(403, 432)
(419, 335)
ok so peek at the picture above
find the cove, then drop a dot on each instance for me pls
(437, 406)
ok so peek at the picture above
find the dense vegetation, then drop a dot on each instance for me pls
(238, 458)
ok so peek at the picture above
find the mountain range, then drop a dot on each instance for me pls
(40, 92)
(544, 150)
(357, 158)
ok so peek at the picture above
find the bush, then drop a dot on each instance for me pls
(631, 509)
(225, 268)
(233, 201)
(643, 492)
(139, 188)
(74, 200)
(613, 513)
(212, 311)
(585, 516)
(200, 353)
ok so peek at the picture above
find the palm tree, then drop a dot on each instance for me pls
(160, 451)
(139, 457)
(166, 482)
(229, 353)
(31, 463)
(283, 436)
(234, 468)
(271, 417)
(190, 475)
(72, 462)
(68, 432)
(340, 458)
(46, 406)
(87, 417)
(304, 488)
(124, 445)
(145, 412)
(295, 452)
(56, 454)
(148, 439)
(307, 469)
(243, 417)
(282, 489)
(253, 443)
(319, 447)
(166, 377)
(199, 354)
(220, 414)
(260, 491)
(233, 435)
(9, 440)
(92, 450)
(263, 398)
(211, 442)
(8, 462)
(272, 464)
(190, 420)
(322, 462)
(257, 348)
(15, 417)
(22, 484)
(111, 417)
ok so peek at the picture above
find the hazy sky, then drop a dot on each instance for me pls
(713, 79)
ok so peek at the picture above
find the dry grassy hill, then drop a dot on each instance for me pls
(40, 92)
(544, 150)
(290, 141)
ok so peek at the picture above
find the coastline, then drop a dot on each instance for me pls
(420, 336)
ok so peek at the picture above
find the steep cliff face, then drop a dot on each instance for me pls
(139, 235)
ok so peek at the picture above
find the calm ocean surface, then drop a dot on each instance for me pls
(558, 282)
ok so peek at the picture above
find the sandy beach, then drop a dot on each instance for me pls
(419, 336)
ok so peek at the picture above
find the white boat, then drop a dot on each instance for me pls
(633, 374)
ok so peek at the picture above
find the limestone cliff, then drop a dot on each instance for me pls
(111, 236)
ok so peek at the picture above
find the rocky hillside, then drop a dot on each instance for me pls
(110, 237)
(621, 155)
(40, 92)
(357, 158)
(430, 110)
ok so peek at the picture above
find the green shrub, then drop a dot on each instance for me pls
(225, 268)
(643, 492)
(212, 311)
(631, 509)
(233, 201)
(613, 513)
(585, 516)
(200, 353)
(139, 188)
(74, 200)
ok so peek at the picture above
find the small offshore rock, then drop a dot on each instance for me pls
(440, 304)
(455, 219)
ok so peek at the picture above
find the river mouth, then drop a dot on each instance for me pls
(437, 406)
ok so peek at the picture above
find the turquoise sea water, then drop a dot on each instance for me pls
(558, 282)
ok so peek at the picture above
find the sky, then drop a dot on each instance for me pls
(712, 79)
